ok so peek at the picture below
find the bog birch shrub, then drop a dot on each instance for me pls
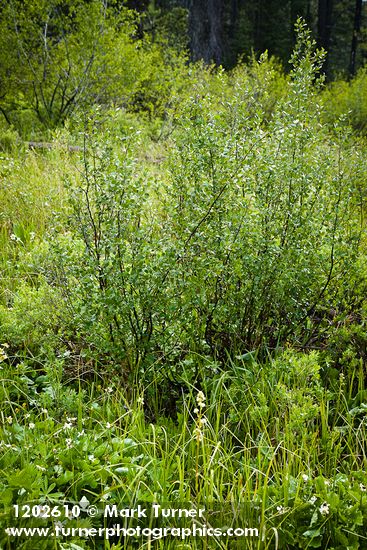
(250, 231)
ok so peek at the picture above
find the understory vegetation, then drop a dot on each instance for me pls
(182, 304)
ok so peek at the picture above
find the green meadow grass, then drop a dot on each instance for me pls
(286, 458)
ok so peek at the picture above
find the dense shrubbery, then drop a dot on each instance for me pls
(347, 101)
(253, 229)
(72, 55)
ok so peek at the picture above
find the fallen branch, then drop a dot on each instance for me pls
(45, 145)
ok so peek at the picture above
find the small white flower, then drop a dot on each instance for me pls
(198, 434)
(31, 425)
(200, 398)
(324, 509)
(81, 433)
(140, 400)
(327, 482)
(91, 458)
(67, 426)
(280, 509)
(70, 419)
(202, 421)
(69, 443)
(362, 487)
(44, 411)
(305, 477)
(109, 389)
(41, 468)
(9, 420)
(312, 500)
(196, 410)
(108, 425)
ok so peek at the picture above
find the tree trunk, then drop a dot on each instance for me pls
(197, 27)
(233, 17)
(258, 19)
(215, 50)
(356, 31)
(205, 27)
(325, 12)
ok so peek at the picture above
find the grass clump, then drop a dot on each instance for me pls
(264, 456)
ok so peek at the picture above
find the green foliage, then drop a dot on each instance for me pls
(30, 320)
(8, 140)
(31, 195)
(144, 285)
(167, 27)
(59, 446)
(110, 281)
(71, 56)
(254, 228)
(261, 83)
(294, 403)
(347, 101)
(250, 207)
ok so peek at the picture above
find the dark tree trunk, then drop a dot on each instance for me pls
(258, 19)
(197, 28)
(215, 50)
(206, 27)
(233, 18)
(356, 31)
(325, 12)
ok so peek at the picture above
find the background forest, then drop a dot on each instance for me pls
(183, 270)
